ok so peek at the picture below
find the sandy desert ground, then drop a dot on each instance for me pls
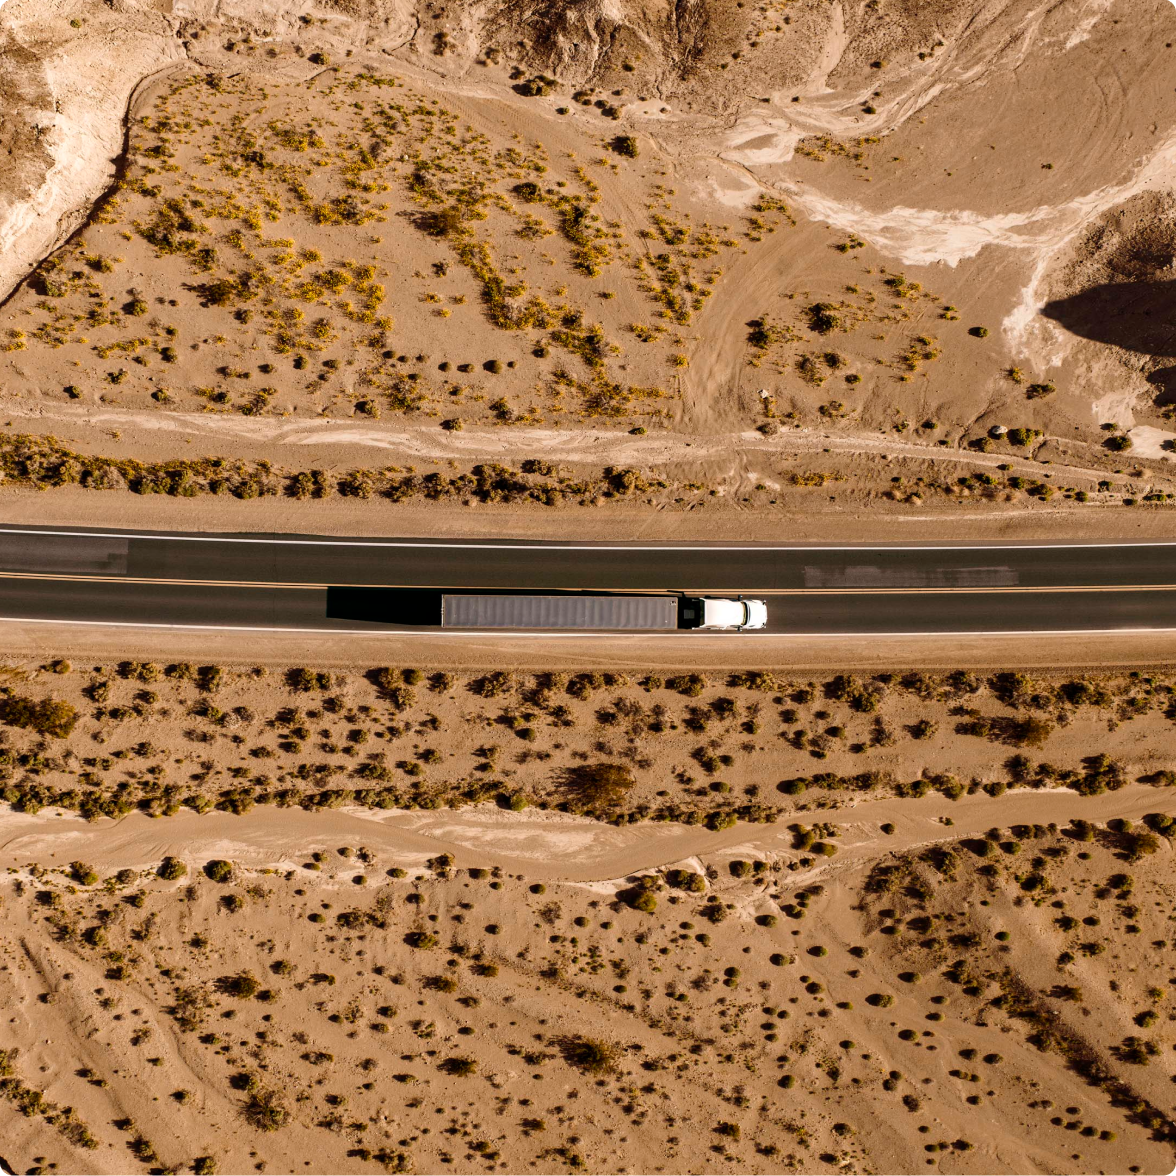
(953, 894)
(742, 269)
(876, 265)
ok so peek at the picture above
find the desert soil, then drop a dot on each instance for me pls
(877, 267)
(701, 270)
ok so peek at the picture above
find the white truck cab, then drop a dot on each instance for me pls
(733, 614)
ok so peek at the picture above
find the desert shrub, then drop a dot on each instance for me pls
(1102, 774)
(46, 716)
(82, 873)
(822, 317)
(264, 1110)
(493, 685)
(625, 145)
(597, 784)
(686, 880)
(1161, 823)
(458, 1067)
(582, 685)
(218, 870)
(587, 1054)
(1018, 732)
(1133, 846)
(171, 869)
(304, 680)
(242, 986)
(537, 87)
(1135, 1051)
(139, 671)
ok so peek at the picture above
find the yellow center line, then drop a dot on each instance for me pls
(974, 589)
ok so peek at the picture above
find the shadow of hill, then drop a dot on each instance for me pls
(1137, 316)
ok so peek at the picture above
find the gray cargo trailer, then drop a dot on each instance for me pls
(558, 612)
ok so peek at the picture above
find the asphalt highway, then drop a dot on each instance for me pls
(263, 581)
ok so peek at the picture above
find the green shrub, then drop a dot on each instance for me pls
(219, 870)
(625, 145)
(46, 716)
(304, 680)
(243, 986)
(265, 1111)
(822, 317)
(171, 869)
(587, 1054)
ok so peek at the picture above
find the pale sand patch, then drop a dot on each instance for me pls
(1151, 442)
(541, 845)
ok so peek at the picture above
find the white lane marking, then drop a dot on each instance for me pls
(476, 589)
(554, 545)
(678, 634)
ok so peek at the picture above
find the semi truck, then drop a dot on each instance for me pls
(639, 613)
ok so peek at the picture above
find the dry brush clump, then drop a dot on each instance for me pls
(41, 462)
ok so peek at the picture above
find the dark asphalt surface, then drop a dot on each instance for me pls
(851, 590)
